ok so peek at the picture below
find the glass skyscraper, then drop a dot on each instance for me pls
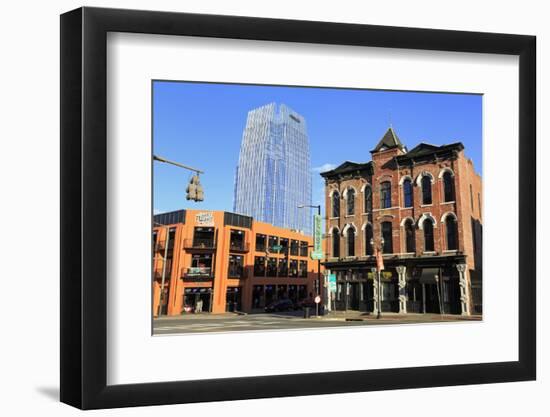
(273, 176)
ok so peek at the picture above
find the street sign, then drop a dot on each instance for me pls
(332, 282)
(317, 238)
(317, 256)
(317, 300)
(276, 248)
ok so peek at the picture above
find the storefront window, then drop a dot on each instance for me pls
(259, 266)
(303, 248)
(203, 237)
(283, 268)
(294, 248)
(426, 190)
(303, 269)
(237, 240)
(271, 267)
(236, 266)
(272, 241)
(201, 265)
(293, 269)
(260, 242)
(387, 236)
(283, 242)
(385, 194)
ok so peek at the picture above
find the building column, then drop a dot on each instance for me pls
(401, 272)
(464, 289)
(375, 296)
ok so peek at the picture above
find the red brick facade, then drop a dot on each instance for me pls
(444, 167)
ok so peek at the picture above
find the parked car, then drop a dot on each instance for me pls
(280, 305)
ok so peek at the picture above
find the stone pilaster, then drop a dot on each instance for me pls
(375, 296)
(401, 272)
(464, 289)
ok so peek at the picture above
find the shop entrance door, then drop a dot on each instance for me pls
(354, 296)
(233, 299)
(431, 299)
(197, 300)
(258, 300)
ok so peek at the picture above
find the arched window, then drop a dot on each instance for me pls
(448, 187)
(335, 242)
(407, 193)
(410, 243)
(368, 238)
(452, 238)
(428, 227)
(385, 194)
(350, 197)
(387, 236)
(426, 190)
(351, 241)
(368, 199)
(336, 204)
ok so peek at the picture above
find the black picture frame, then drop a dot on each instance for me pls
(84, 207)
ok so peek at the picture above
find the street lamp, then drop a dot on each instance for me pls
(378, 274)
(318, 284)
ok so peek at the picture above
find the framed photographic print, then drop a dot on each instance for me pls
(257, 208)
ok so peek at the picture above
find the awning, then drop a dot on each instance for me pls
(428, 275)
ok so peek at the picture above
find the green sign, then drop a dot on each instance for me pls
(332, 282)
(316, 255)
(276, 248)
(317, 238)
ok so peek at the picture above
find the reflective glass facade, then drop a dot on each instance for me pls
(273, 176)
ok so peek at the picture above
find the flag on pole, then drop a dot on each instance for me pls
(379, 260)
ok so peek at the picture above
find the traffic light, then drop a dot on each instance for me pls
(194, 189)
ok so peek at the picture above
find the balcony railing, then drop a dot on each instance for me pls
(199, 272)
(200, 243)
(239, 246)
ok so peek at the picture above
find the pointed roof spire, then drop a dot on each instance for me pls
(388, 141)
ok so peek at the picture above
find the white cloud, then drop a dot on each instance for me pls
(324, 167)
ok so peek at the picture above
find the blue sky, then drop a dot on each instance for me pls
(201, 125)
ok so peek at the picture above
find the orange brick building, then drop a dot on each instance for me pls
(423, 208)
(219, 261)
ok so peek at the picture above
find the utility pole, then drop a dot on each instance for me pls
(164, 260)
(194, 192)
(378, 270)
(318, 283)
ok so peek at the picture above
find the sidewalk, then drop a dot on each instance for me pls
(387, 316)
(202, 316)
(331, 316)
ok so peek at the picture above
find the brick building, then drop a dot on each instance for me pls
(227, 262)
(422, 207)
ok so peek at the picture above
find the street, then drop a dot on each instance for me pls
(207, 323)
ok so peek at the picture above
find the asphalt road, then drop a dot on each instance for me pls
(231, 323)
